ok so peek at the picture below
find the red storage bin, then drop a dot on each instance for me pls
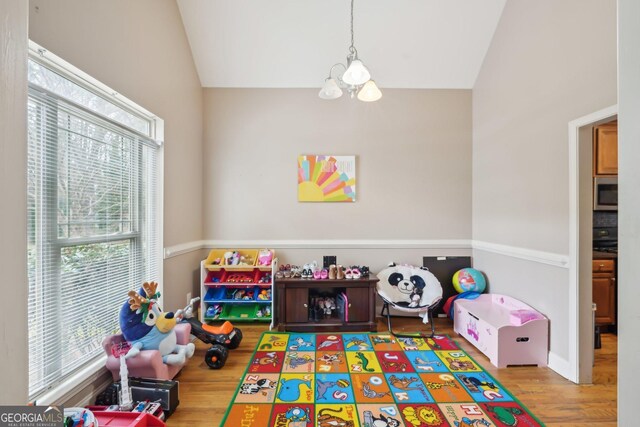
(127, 419)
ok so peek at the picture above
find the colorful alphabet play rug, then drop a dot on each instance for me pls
(368, 380)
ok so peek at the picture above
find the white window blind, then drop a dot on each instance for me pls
(93, 192)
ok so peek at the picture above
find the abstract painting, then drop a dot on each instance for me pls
(326, 178)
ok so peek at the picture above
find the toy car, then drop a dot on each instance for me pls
(222, 338)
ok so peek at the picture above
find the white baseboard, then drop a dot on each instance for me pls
(561, 366)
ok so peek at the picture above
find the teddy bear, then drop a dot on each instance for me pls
(146, 327)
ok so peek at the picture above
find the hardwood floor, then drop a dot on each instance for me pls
(206, 393)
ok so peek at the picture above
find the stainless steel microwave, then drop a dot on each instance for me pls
(605, 193)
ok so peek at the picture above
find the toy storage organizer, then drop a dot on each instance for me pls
(238, 292)
(507, 331)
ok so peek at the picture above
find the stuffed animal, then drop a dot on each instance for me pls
(146, 327)
(265, 256)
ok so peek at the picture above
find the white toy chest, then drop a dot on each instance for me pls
(506, 330)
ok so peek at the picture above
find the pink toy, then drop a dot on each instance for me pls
(520, 317)
(265, 256)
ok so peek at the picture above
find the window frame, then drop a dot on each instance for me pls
(53, 392)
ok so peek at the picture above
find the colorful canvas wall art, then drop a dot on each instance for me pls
(326, 178)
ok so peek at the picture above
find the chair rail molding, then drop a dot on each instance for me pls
(550, 258)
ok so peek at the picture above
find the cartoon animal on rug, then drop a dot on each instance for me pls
(330, 359)
(301, 344)
(297, 414)
(293, 360)
(146, 327)
(260, 385)
(328, 343)
(290, 389)
(328, 420)
(438, 386)
(468, 422)
(382, 421)
(383, 339)
(505, 415)
(460, 365)
(403, 383)
(364, 362)
(270, 359)
(361, 344)
(408, 341)
(423, 362)
(480, 384)
(396, 366)
(323, 386)
(419, 416)
(370, 393)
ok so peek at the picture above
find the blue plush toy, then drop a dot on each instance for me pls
(146, 327)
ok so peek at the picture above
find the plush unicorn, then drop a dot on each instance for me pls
(146, 327)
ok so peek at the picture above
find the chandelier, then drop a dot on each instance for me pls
(355, 77)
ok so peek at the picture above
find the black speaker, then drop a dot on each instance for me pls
(329, 260)
(444, 267)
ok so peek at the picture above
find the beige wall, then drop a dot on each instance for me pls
(139, 48)
(413, 151)
(629, 153)
(549, 63)
(13, 208)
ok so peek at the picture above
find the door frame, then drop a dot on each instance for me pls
(580, 311)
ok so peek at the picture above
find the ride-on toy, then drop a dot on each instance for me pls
(222, 337)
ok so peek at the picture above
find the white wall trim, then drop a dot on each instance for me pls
(183, 248)
(74, 383)
(574, 233)
(342, 244)
(560, 365)
(549, 258)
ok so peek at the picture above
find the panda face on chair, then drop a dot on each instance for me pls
(411, 286)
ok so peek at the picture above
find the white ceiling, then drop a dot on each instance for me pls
(294, 43)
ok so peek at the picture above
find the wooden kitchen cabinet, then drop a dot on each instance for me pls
(295, 304)
(604, 291)
(605, 149)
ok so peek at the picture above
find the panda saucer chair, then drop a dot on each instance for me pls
(410, 289)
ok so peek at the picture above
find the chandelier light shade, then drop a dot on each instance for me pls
(356, 74)
(369, 92)
(355, 78)
(330, 90)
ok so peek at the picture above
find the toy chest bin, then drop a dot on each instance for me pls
(127, 419)
(507, 331)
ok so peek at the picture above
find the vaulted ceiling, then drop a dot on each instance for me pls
(294, 43)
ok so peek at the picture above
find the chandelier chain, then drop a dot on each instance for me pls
(352, 47)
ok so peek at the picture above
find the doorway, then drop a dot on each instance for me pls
(581, 316)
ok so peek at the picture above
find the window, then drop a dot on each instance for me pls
(94, 228)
